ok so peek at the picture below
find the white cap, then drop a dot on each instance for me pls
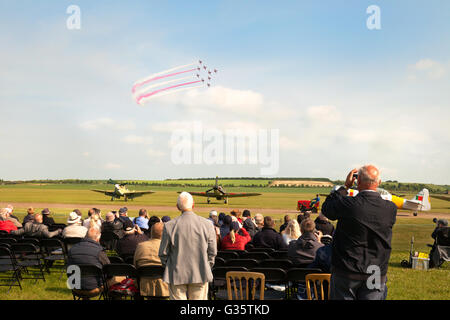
(213, 213)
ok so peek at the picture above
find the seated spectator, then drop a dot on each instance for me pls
(221, 217)
(147, 255)
(323, 258)
(95, 221)
(93, 214)
(5, 224)
(323, 225)
(213, 217)
(287, 218)
(303, 250)
(89, 251)
(236, 239)
(291, 232)
(152, 221)
(133, 236)
(268, 237)
(78, 212)
(74, 228)
(113, 224)
(123, 215)
(441, 236)
(248, 223)
(237, 214)
(142, 220)
(47, 220)
(29, 217)
(9, 209)
(36, 229)
(225, 227)
(165, 219)
(259, 221)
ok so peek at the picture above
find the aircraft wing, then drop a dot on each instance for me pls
(201, 194)
(243, 194)
(412, 205)
(107, 193)
(135, 194)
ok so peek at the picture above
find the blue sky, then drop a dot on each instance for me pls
(340, 94)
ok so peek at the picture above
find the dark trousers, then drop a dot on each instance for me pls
(342, 288)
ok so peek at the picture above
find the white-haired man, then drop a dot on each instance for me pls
(362, 239)
(188, 250)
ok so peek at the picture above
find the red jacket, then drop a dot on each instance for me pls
(239, 244)
(7, 226)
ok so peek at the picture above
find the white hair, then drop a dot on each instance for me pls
(369, 174)
(185, 201)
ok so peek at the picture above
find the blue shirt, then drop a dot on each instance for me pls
(141, 222)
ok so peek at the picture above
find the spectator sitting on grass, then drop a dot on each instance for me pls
(36, 229)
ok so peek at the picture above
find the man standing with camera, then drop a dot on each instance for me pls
(362, 240)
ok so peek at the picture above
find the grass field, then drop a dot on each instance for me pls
(402, 283)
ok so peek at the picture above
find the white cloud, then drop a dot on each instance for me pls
(112, 166)
(134, 139)
(86, 154)
(108, 123)
(428, 67)
(323, 114)
(155, 153)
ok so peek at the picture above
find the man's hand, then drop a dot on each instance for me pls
(350, 179)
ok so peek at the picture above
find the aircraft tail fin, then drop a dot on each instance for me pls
(424, 197)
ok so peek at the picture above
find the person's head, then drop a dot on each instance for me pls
(322, 217)
(234, 227)
(10, 206)
(157, 230)
(185, 202)
(442, 223)
(259, 220)
(287, 218)
(246, 214)
(123, 211)
(30, 211)
(74, 219)
(268, 222)
(227, 221)
(222, 216)
(45, 212)
(143, 213)
(110, 217)
(293, 229)
(307, 225)
(128, 227)
(97, 211)
(38, 218)
(152, 221)
(300, 218)
(4, 213)
(368, 177)
(90, 212)
(306, 215)
(236, 213)
(165, 219)
(94, 234)
(78, 212)
(213, 213)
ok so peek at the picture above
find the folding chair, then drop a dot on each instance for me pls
(318, 278)
(56, 226)
(54, 250)
(34, 241)
(9, 241)
(276, 277)
(279, 255)
(123, 270)
(246, 263)
(115, 259)
(251, 283)
(109, 240)
(227, 254)
(69, 242)
(8, 263)
(296, 276)
(89, 270)
(28, 256)
(255, 255)
(267, 250)
(153, 273)
(219, 281)
(219, 262)
(276, 263)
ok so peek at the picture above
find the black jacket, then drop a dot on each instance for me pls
(268, 238)
(88, 251)
(303, 250)
(326, 227)
(128, 244)
(363, 232)
(48, 221)
(250, 227)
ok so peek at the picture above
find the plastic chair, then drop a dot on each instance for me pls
(314, 278)
(251, 279)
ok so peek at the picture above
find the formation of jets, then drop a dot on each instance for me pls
(209, 72)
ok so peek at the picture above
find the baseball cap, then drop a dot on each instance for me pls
(123, 210)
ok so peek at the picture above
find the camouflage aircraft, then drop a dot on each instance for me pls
(121, 191)
(219, 193)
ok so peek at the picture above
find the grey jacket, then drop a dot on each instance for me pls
(303, 250)
(34, 229)
(188, 249)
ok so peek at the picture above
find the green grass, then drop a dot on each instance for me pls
(402, 283)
